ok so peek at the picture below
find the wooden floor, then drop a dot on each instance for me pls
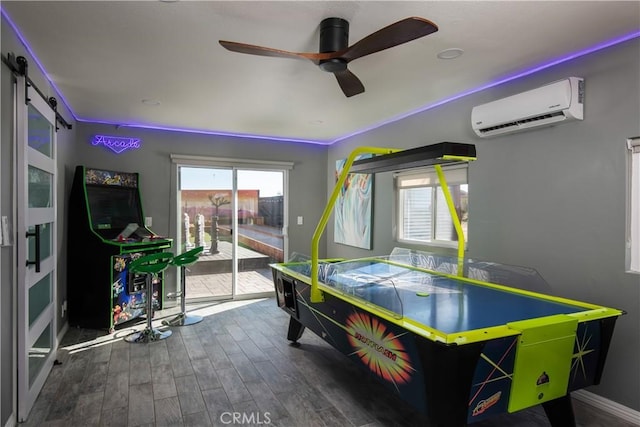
(237, 362)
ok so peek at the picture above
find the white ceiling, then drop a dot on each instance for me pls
(105, 57)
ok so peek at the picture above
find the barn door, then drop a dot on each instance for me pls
(36, 243)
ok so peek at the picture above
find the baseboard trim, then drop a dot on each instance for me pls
(608, 406)
(62, 332)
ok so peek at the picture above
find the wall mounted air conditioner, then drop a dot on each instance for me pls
(556, 102)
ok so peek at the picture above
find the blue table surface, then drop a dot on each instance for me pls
(442, 303)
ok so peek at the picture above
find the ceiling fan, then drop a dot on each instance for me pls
(335, 52)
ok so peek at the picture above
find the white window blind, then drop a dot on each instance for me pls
(422, 214)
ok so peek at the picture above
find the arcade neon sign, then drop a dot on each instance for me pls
(117, 144)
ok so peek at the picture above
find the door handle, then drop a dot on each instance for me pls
(35, 234)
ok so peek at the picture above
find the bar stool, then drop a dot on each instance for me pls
(149, 265)
(182, 261)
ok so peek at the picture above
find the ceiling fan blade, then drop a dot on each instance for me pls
(267, 51)
(393, 35)
(349, 83)
(257, 50)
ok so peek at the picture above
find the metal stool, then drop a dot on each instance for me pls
(149, 265)
(182, 261)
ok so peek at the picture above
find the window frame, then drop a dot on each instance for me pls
(430, 175)
(632, 261)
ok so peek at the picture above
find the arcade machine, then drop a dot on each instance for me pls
(107, 232)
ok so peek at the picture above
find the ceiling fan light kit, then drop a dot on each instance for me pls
(335, 52)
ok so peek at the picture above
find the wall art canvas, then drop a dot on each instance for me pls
(353, 211)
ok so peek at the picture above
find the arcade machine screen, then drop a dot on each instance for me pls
(112, 208)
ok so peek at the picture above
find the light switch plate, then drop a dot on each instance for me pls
(5, 239)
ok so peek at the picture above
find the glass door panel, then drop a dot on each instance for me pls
(40, 188)
(39, 352)
(260, 210)
(39, 298)
(45, 241)
(40, 136)
(205, 196)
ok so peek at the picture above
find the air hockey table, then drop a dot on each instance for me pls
(460, 340)
(457, 347)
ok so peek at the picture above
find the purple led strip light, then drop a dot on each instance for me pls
(525, 73)
(205, 132)
(37, 61)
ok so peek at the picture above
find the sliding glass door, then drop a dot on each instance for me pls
(237, 214)
(205, 197)
(259, 214)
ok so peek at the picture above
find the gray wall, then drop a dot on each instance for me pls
(552, 199)
(65, 138)
(6, 252)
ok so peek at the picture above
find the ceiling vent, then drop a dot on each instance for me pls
(556, 102)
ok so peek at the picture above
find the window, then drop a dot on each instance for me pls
(633, 206)
(422, 212)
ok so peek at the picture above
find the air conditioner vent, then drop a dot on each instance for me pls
(519, 123)
(542, 117)
(502, 126)
(550, 104)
